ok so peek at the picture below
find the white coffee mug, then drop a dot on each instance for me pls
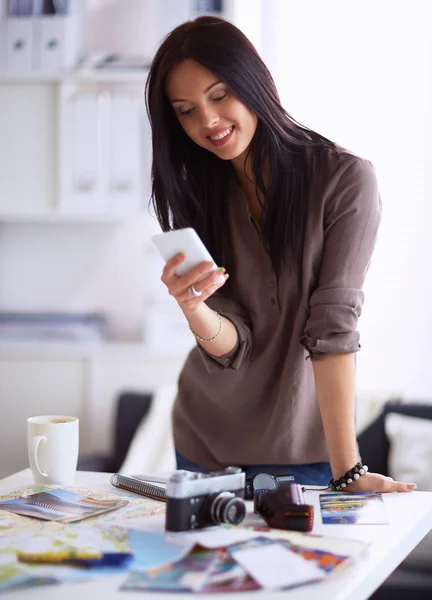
(52, 443)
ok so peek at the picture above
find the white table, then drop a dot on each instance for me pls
(410, 517)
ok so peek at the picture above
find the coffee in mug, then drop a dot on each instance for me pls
(52, 443)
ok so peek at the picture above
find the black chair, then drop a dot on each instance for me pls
(405, 582)
(131, 408)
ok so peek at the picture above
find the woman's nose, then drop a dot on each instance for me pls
(210, 118)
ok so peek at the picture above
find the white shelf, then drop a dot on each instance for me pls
(86, 350)
(84, 75)
(116, 75)
(54, 216)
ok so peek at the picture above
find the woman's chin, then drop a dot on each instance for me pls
(228, 153)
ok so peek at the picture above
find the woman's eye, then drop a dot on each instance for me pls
(183, 113)
(220, 98)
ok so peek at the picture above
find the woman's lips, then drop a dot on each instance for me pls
(225, 139)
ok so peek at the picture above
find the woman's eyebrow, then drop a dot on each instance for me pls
(204, 92)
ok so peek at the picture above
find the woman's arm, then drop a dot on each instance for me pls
(351, 218)
(202, 319)
(205, 323)
(335, 386)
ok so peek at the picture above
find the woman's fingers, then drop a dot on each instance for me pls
(374, 482)
(205, 287)
(177, 283)
(196, 276)
(180, 286)
(170, 266)
(214, 278)
(390, 485)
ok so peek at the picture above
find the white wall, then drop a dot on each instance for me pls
(132, 26)
(360, 73)
(138, 26)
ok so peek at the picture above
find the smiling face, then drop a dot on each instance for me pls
(211, 115)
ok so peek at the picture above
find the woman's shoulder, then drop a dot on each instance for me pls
(336, 161)
(337, 167)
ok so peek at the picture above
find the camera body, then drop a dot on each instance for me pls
(266, 481)
(196, 500)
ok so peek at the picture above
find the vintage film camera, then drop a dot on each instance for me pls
(196, 500)
(285, 508)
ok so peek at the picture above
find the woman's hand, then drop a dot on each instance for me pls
(373, 482)
(180, 287)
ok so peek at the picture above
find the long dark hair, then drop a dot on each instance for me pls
(190, 184)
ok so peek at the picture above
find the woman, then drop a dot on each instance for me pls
(293, 220)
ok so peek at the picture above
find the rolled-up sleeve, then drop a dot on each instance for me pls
(351, 219)
(234, 359)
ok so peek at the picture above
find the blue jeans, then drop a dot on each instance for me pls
(307, 474)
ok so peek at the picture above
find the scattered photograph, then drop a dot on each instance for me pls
(353, 509)
(60, 505)
(189, 574)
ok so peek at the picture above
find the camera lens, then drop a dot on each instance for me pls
(226, 507)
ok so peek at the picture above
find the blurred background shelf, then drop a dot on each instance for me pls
(124, 350)
(54, 216)
(120, 76)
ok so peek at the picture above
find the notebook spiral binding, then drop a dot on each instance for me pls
(139, 487)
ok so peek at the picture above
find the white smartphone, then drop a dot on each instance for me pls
(187, 241)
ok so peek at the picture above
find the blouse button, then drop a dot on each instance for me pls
(272, 284)
(273, 301)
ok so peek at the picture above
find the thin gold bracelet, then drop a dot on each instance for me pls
(200, 339)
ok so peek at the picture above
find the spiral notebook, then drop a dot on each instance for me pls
(144, 488)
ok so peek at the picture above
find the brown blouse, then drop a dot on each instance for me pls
(257, 404)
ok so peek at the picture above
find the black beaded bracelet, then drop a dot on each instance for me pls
(350, 476)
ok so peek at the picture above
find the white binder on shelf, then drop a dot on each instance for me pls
(125, 156)
(82, 163)
(57, 43)
(101, 141)
(16, 45)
